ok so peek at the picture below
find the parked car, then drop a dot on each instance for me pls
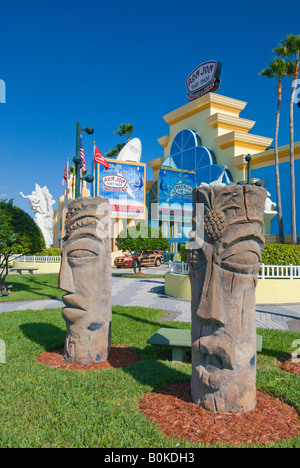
(150, 258)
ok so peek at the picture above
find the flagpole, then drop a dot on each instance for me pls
(67, 191)
(94, 174)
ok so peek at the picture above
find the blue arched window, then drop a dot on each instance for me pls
(188, 165)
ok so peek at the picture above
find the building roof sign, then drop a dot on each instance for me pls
(204, 79)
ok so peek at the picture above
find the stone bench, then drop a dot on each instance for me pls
(180, 341)
(19, 270)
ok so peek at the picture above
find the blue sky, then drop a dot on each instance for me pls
(104, 63)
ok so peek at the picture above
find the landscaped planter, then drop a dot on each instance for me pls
(268, 291)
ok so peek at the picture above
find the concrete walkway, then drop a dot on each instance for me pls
(149, 292)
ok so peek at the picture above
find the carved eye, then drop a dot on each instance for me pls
(81, 254)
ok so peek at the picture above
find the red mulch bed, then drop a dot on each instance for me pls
(119, 357)
(290, 366)
(175, 414)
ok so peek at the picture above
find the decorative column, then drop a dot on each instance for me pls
(86, 277)
(223, 274)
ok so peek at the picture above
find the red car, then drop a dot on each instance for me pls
(152, 258)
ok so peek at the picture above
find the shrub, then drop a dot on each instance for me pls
(141, 238)
(183, 253)
(281, 254)
(50, 252)
(19, 234)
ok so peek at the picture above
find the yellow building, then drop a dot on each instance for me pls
(207, 139)
(59, 217)
(123, 183)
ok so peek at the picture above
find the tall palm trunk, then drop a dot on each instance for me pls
(278, 192)
(292, 160)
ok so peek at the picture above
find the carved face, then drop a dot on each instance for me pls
(81, 273)
(86, 277)
(223, 277)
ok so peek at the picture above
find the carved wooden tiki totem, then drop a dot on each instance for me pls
(85, 275)
(223, 274)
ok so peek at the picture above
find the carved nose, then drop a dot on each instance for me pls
(65, 281)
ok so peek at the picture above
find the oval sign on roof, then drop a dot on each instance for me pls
(204, 79)
(132, 151)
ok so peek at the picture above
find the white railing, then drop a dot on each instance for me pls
(266, 271)
(279, 271)
(180, 268)
(36, 259)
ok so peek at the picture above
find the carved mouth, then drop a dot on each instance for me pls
(72, 310)
(211, 376)
(214, 361)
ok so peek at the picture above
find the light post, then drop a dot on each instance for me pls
(248, 159)
(77, 159)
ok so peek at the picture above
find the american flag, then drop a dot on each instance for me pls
(82, 154)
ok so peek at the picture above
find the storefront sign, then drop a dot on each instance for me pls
(204, 79)
(124, 185)
(114, 181)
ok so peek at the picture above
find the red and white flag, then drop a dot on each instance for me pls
(83, 168)
(65, 177)
(98, 158)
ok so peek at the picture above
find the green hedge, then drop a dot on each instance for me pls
(51, 252)
(273, 254)
(281, 254)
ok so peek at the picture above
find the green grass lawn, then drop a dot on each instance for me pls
(45, 407)
(33, 287)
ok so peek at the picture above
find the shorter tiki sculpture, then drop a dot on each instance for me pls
(223, 274)
(86, 277)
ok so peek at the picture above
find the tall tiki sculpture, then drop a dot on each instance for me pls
(223, 274)
(86, 277)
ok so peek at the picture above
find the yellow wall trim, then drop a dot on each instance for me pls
(51, 267)
(155, 163)
(164, 140)
(209, 101)
(245, 140)
(230, 122)
(267, 158)
(268, 291)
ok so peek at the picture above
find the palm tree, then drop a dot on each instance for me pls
(113, 153)
(277, 69)
(125, 130)
(290, 48)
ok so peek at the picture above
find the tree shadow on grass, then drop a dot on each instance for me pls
(157, 374)
(155, 367)
(34, 288)
(154, 323)
(44, 334)
(278, 354)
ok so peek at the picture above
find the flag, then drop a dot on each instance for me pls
(98, 158)
(82, 154)
(65, 178)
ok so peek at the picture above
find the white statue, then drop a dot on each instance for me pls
(216, 183)
(41, 203)
(270, 209)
